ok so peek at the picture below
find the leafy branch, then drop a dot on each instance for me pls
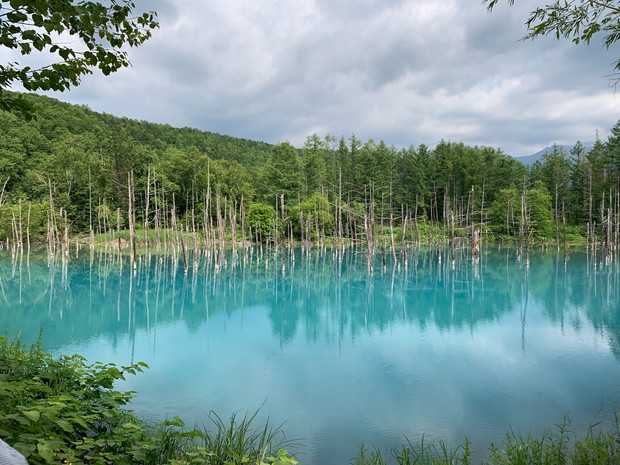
(100, 32)
(577, 20)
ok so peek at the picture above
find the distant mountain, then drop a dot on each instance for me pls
(531, 159)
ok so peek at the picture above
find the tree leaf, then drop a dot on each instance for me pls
(65, 425)
(32, 415)
(45, 451)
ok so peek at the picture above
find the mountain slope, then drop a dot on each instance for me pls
(55, 117)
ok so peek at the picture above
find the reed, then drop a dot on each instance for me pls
(240, 440)
(554, 447)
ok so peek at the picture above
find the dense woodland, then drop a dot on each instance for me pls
(75, 172)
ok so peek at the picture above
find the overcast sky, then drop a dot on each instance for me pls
(404, 71)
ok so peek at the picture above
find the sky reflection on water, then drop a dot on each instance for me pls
(341, 356)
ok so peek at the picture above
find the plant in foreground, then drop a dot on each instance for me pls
(553, 447)
(61, 410)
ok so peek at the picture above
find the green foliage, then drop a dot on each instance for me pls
(239, 442)
(281, 174)
(315, 214)
(554, 447)
(420, 453)
(555, 175)
(313, 164)
(62, 410)
(233, 181)
(34, 27)
(413, 168)
(57, 410)
(507, 215)
(600, 448)
(372, 457)
(33, 218)
(261, 219)
(435, 453)
(612, 149)
(579, 184)
(577, 20)
(540, 210)
(84, 159)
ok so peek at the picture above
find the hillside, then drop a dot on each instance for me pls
(55, 118)
(95, 171)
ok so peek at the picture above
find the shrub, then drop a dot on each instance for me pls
(61, 410)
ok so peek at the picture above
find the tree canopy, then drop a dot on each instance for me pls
(79, 36)
(577, 20)
(82, 159)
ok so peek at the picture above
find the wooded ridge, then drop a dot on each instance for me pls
(73, 171)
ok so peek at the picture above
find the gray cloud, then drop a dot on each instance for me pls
(404, 71)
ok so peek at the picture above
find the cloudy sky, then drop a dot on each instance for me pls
(403, 71)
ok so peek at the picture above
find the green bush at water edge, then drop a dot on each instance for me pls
(61, 410)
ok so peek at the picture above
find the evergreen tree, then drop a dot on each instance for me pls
(612, 148)
(599, 181)
(579, 184)
(282, 175)
(555, 175)
(313, 165)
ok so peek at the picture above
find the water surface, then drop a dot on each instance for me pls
(340, 355)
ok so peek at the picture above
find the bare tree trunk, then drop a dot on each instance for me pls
(53, 228)
(175, 230)
(118, 231)
(195, 236)
(392, 240)
(557, 220)
(21, 230)
(383, 261)
(3, 189)
(243, 225)
(233, 223)
(147, 202)
(66, 236)
(207, 224)
(283, 218)
(591, 236)
(482, 222)
(417, 226)
(132, 219)
(207, 214)
(339, 207)
(28, 226)
(157, 218)
(90, 211)
(403, 242)
(368, 229)
(564, 228)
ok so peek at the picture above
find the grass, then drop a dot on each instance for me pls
(554, 447)
(419, 453)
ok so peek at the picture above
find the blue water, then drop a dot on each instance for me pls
(338, 355)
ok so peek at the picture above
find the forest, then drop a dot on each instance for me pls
(72, 172)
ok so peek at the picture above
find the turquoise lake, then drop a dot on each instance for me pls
(338, 355)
